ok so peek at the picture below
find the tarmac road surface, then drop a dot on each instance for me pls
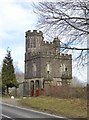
(12, 112)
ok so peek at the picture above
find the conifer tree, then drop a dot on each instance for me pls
(8, 73)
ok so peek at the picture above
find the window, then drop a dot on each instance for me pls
(32, 42)
(48, 68)
(66, 69)
(63, 68)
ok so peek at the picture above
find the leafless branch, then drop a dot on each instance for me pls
(69, 19)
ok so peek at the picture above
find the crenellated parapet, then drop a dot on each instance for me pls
(47, 43)
(56, 41)
(36, 45)
(66, 56)
(34, 32)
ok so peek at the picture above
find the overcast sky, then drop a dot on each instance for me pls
(17, 17)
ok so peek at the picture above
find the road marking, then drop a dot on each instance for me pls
(7, 117)
(33, 110)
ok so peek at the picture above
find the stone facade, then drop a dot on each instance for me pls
(44, 63)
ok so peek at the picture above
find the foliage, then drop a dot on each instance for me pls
(8, 73)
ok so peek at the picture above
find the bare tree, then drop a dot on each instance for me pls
(69, 19)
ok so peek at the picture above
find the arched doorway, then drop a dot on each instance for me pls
(32, 88)
(42, 87)
(37, 87)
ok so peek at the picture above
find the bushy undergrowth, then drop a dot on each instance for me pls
(66, 92)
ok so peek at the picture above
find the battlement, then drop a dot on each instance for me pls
(55, 41)
(66, 56)
(46, 43)
(40, 34)
(34, 32)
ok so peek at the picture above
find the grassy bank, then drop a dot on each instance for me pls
(66, 107)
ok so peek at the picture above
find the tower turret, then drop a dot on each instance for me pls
(33, 40)
(56, 45)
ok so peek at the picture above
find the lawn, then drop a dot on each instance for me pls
(71, 108)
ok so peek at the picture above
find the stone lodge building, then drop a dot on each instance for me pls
(44, 64)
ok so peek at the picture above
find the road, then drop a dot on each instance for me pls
(14, 112)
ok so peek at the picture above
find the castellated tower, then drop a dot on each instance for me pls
(44, 63)
(33, 41)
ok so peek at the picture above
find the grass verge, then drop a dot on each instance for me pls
(71, 108)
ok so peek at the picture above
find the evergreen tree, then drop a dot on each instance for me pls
(8, 73)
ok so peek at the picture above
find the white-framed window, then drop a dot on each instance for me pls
(48, 67)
